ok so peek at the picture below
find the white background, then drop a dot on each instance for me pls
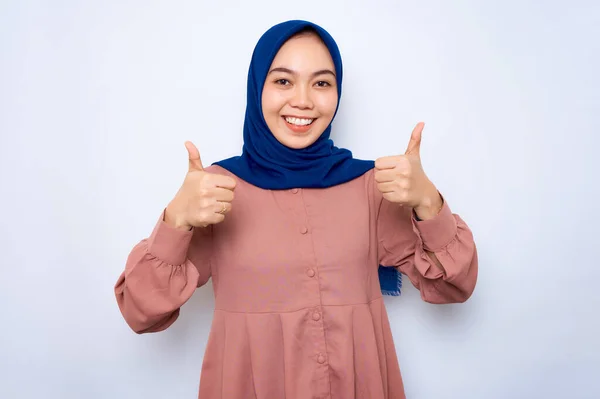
(97, 98)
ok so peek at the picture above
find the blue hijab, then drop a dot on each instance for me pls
(268, 164)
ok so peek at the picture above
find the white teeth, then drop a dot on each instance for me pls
(299, 121)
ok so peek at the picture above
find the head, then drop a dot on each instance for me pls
(294, 73)
(300, 93)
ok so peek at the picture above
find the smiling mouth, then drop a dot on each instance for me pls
(299, 121)
(298, 125)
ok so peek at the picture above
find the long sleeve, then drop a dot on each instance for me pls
(403, 243)
(161, 274)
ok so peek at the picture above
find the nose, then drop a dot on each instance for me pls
(301, 98)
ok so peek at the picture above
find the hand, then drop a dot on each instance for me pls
(203, 199)
(401, 179)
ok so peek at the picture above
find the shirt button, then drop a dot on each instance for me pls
(321, 359)
(316, 316)
(304, 230)
(310, 273)
(295, 190)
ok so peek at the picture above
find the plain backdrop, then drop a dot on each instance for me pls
(97, 98)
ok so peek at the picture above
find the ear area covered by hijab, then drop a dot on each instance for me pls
(268, 164)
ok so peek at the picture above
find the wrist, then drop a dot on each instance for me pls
(430, 206)
(174, 219)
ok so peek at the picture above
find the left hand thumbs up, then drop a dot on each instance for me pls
(414, 145)
(401, 178)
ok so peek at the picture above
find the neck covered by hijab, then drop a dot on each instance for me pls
(268, 164)
(265, 162)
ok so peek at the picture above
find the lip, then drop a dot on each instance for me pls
(297, 116)
(295, 128)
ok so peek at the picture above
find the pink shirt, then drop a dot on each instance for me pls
(299, 313)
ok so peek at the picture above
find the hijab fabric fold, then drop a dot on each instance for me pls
(268, 164)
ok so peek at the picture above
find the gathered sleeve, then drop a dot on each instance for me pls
(161, 274)
(403, 242)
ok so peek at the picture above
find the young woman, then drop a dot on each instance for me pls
(295, 255)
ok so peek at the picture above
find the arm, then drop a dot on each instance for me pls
(161, 274)
(438, 255)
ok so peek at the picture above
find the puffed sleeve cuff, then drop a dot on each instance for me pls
(168, 243)
(439, 231)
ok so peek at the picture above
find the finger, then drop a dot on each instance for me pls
(207, 217)
(387, 187)
(222, 207)
(223, 181)
(195, 163)
(414, 145)
(223, 194)
(215, 218)
(386, 162)
(386, 175)
(392, 197)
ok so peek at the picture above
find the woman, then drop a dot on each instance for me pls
(294, 257)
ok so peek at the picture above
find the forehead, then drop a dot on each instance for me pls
(304, 49)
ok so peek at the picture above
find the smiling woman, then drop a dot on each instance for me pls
(299, 103)
(296, 253)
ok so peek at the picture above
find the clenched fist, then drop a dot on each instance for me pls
(401, 179)
(203, 199)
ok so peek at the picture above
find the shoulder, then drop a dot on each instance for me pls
(219, 170)
(366, 181)
(369, 185)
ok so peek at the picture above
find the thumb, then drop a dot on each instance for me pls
(194, 157)
(414, 145)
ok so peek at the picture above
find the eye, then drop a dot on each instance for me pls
(283, 82)
(323, 83)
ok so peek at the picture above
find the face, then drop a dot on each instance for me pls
(299, 97)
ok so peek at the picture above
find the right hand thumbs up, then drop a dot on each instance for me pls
(203, 199)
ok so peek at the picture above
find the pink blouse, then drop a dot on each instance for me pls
(299, 312)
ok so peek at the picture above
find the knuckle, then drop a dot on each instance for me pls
(209, 180)
(404, 162)
(202, 192)
(204, 203)
(202, 177)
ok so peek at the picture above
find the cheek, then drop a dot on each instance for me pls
(271, 102)
(327, 103)
(267, 101)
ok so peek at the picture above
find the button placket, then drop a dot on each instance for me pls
(314, 316)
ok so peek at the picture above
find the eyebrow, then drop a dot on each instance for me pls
(314, 74)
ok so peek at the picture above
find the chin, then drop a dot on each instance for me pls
(295, 142)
